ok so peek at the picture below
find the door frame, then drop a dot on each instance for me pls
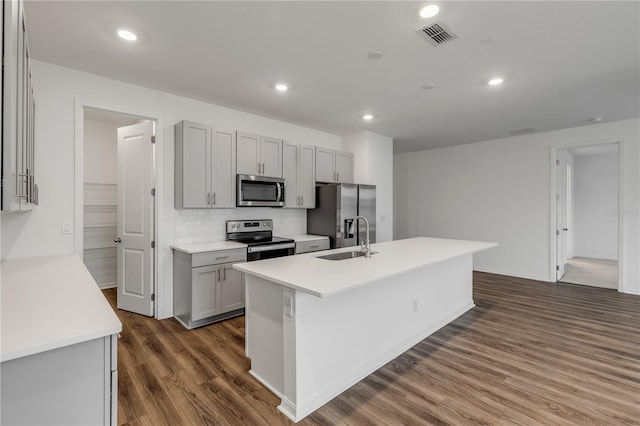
(157, 182)
(553, 204)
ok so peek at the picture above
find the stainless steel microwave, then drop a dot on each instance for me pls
(259, 191)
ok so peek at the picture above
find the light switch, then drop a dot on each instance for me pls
(67, 228)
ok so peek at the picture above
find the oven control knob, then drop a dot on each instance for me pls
(233, 225)
(266, 224)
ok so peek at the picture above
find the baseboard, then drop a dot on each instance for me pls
(105, 286)
(268, 386)
(299, 411)
(514, 274)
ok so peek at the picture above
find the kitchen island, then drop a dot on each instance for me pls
(315, 327)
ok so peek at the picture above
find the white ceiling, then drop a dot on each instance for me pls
(564, 62)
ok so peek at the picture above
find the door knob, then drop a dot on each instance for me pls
(117, 240)
(565, 229)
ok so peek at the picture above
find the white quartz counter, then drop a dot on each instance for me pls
(48, 303)
(322, 277)
(306, 237)
(192, 248)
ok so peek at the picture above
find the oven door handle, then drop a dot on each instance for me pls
(271, 247)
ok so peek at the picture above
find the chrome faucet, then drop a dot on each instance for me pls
(366, 246)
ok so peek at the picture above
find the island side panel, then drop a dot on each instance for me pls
(264, 332)
(336, 341)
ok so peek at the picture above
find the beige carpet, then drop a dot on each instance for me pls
(591, 272)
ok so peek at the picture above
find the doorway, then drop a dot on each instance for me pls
(587, 222)
(118, 209)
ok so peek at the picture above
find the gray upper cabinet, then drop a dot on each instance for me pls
(248, 154)
(344, 167)
(259, 155)
(223, 171)
(334, 166)
(204, 166)
(299, 175)
(19, 190)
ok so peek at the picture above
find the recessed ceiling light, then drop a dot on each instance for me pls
(429, 11)
(127, 35)
(496, 81)
(367, 117)
(595, 119)
(428, 86)
(375, 54)
(281, 87)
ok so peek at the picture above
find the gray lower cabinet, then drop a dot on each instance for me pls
(71, 385)
(206, 288)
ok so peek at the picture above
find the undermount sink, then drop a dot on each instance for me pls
(344, 255)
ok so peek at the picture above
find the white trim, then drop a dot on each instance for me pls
(553, 206)
(80, 105)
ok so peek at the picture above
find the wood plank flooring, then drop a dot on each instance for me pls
(530, 353)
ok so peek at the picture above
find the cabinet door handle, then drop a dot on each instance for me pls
(314, 247)
(338, 176)
(302, 200)
(208, 198)
(214, 199)
(222, 257)
(218, 274)
(224, 271)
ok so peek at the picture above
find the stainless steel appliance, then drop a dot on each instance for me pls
(258, 235)
(259, 191)
(337, 206)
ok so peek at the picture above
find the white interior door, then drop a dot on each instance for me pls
(135, 218)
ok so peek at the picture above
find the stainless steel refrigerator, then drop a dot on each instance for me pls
(337, 205)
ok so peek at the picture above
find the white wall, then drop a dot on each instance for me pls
(58, 90)
(500, 191)
(596, 205)
(100, 152)
(374, 166)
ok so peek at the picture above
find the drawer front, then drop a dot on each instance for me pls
(217, 257)
(314, 245)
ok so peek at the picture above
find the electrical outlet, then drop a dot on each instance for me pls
(415, 305)
(67, 228)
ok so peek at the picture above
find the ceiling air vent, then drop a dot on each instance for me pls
(522, 131)
(436, 33)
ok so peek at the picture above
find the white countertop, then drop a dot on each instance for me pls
(321, 277)
(191, 248)
(48, 303)
(306, 237)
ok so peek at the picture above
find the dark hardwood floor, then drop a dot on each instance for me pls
(530, 353)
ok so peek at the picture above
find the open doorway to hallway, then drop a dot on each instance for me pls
(587, 215)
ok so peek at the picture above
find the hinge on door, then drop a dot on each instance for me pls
(153, 139)
(557, 197)
(153, 244)
(153, 192)
(557, 267)
(153, 297)
(557, 162)
(557, 232)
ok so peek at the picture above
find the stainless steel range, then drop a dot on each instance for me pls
(258, 235)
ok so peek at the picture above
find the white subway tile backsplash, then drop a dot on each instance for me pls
(194, 226)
